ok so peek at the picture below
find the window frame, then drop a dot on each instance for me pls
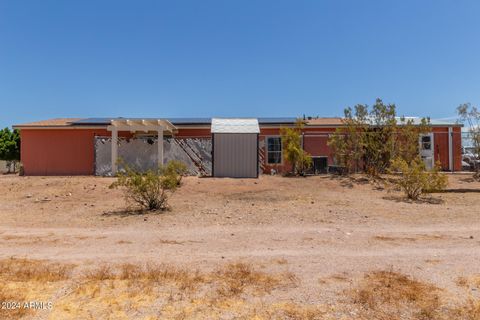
(267, 152)
(423, 143)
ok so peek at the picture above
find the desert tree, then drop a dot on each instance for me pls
(379, 138)
(470, 115)
(370, 139)
(348, 141)
(10, 147)
(293, 151)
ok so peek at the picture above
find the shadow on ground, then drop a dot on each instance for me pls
(129, 212)
(429, 200)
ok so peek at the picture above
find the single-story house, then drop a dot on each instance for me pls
(224, 147)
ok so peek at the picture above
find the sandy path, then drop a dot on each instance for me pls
(322, 229)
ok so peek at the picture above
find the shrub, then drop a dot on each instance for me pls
(150, 189)
(370, 138)
(294, 154)
(415, 179)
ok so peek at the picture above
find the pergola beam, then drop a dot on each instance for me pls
(158, 125)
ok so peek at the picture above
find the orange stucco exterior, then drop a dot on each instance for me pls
(59, 151)
(70, 151)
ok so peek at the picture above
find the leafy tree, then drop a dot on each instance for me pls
(379, 139)
(150, 189)
(415, 179)
(370, 139)
(293, 152)
(10, 147)
(470, 115)
(348, 141)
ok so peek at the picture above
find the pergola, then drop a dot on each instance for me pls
(138, 125)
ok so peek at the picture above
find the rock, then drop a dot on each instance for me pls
(471, 237)
(28, 196)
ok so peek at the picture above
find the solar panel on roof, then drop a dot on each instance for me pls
(277, 120)
(95, 121)
(105, 121)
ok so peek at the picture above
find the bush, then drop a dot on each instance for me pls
(293, 151)
(415, 179)
(150, 189)
(370, 138)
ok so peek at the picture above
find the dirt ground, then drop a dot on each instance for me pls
(327, 231)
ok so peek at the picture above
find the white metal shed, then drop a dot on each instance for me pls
(235, 147)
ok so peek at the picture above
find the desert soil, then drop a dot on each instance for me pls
(328, 231)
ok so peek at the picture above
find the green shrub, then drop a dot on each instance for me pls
(415, 180)
(293, 151)
(150, 189)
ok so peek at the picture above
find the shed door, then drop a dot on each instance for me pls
(235, 155)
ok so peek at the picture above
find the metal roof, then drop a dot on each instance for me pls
(235, 125)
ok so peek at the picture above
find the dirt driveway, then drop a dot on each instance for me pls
(328, 231)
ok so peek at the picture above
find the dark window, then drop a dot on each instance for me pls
(426, 142)
(274, 150)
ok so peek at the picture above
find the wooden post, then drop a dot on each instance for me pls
(160, 146)
(114, 150)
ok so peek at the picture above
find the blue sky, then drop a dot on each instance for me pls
(235, 58)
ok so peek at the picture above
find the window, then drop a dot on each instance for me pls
(426, 142)
(274, 150)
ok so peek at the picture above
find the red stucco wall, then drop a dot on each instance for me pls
(315, 143)
(440, 139)
(57, 152)
(71, 151)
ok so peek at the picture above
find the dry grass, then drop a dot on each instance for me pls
(33, 270)
(235, 278)
(23, 280)
(290, 311)
(235, 290)
(8, 294)
(178, 293)
(102, 273)
(388, 295)
(462, 282)
(469, 310)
